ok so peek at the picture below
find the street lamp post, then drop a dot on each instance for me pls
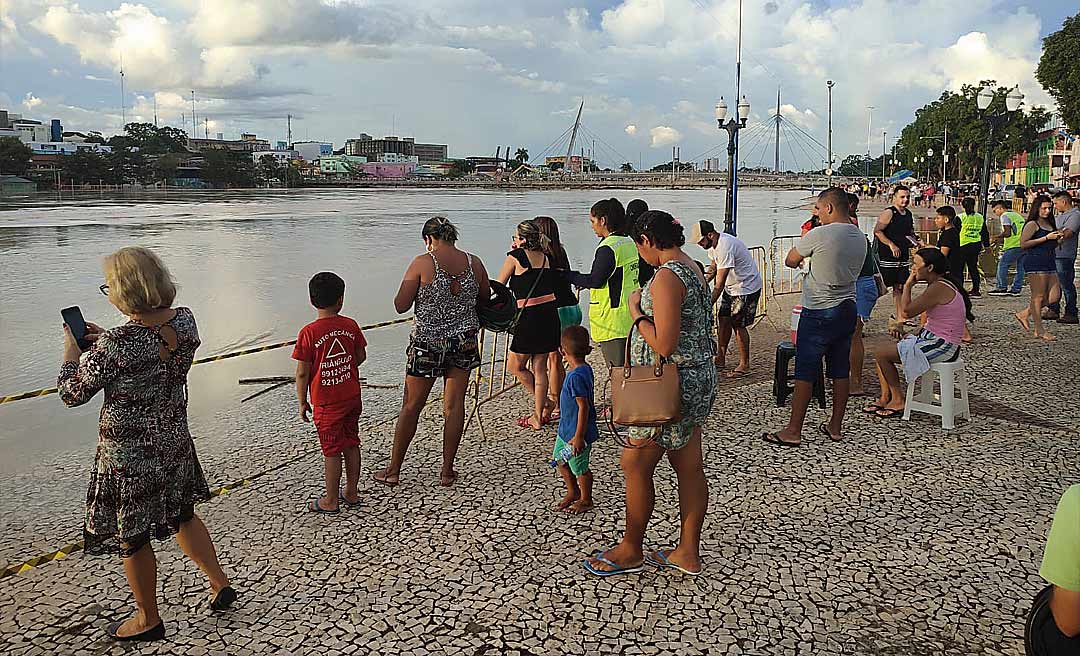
(983, 100)
(732, 126)
(929, 162)
(884, 152)
(829, 165)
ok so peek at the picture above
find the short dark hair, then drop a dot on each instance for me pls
(999, 203)
(837, 197)
(611, 211)
(634, 209)
(901, 187)
(660, 227)
(969, 204)
(1063, 194)
(576, 338)
(326, 289)
(949, 213)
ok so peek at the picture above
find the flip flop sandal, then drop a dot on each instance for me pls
(773, 438)
(613, 572)
(890, 413)
(385, 480)
(313, 506)
(873, 409)
(731, 375)
(524, 422)
(824, 430)
(351, 504)
(661, 561)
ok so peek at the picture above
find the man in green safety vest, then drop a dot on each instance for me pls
(1011, 254)
(971, 226)
(614, 276)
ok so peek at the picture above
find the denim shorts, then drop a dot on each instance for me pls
(865, 297)
(825, 334)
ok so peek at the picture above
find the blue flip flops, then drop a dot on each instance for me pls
(613, 572)
(660, 560)
(343, 500)
(313, 506)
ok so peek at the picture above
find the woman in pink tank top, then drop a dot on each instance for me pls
(947, 309)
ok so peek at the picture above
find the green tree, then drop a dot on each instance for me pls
(164, 167)
(14, 156)
(267, 170)
(853, 166)
(222, 169)
(627, 167)
(152, 140)
(522, 156)
(968, 129)
(86, 167)
(460, 167)
(1059, 70)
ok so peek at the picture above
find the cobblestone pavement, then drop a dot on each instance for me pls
(903, 539)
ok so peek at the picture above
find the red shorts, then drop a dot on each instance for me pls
(338, 426)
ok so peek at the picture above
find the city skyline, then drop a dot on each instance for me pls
(478, 76)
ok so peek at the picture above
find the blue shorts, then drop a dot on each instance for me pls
(865, 297)
(825, 334)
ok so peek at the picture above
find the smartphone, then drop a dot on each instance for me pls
(914, 241)
(76, 324)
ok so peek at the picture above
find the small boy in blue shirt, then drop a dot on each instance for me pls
(577, 423)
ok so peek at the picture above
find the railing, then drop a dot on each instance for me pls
(784, 279)
(761, 261)
(491, 374)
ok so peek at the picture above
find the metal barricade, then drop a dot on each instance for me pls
(784, 280)
(492, 375)
(761, 261)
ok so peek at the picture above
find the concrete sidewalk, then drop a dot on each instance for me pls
(903, 539)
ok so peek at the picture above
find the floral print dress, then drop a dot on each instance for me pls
(693, 355)
(147, 478)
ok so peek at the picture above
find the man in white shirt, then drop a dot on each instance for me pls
(737, 285)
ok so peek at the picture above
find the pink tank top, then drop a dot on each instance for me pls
(947, 321)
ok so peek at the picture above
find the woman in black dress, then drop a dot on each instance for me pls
(529, 269)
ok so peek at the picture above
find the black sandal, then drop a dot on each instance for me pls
(773, 438)
(873, 409)
(890, 413)
(152, 634)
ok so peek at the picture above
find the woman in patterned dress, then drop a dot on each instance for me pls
(679, 327)
(442, 286)
(147, 478)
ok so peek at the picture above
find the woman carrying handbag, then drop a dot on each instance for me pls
(674, 323)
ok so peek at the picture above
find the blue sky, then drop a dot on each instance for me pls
(476, 74)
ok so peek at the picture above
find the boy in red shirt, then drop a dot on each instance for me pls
(328, 354)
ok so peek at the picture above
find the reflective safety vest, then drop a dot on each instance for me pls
(1013, 240)
(609, 306)
(971, 226)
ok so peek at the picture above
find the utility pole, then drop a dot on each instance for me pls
(206, 128)
(884, 152)
(776, 155)
(194, 123)
(155, 109)
(829, 164)
(869, 124)
(945, 155)
(288, 133)
(123, 109)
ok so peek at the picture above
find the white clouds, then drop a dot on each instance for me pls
(630, 129)
(663, 135)
(634, 20)
(578, 18)
(31, 102)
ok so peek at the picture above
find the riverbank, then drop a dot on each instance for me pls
(901, 539)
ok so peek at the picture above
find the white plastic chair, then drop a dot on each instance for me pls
(950, 375)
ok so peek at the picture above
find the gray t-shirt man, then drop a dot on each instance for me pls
(837, 251)
(1069, 219)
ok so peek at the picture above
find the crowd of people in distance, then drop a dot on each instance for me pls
(649, 302)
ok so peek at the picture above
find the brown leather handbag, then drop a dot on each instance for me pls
(645, 395)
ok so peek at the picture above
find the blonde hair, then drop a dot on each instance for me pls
(138, 280)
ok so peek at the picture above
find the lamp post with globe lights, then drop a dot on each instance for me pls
(985, 97)
(732, 126)
(929, 162)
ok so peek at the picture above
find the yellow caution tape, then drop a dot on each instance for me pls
(214, 358)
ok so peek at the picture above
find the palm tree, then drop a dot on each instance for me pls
(522, 155)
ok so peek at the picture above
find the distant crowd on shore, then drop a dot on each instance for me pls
(652, 309)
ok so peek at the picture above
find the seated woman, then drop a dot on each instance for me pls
(946, 305)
